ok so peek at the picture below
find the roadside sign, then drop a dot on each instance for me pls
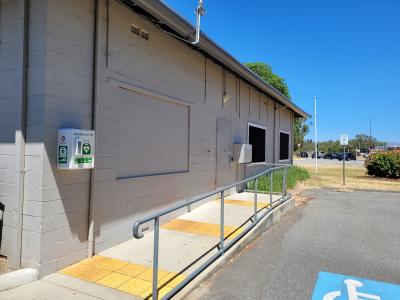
(344, 139)
(330, 286)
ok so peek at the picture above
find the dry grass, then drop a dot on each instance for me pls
(330, 176)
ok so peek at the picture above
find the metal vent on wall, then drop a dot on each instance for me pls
(139, 32)
(144, 35)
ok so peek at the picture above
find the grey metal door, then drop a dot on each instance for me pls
(224, 152)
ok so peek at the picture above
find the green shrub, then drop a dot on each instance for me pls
(384, 164)
(295, 174)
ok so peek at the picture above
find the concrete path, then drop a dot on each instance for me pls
(125, 271)
(356, 234)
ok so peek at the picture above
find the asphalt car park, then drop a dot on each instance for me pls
(335, 239)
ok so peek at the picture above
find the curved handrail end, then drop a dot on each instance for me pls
(138, 234)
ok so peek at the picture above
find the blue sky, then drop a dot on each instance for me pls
(345, 52)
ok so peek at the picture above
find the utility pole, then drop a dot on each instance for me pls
(315, 134)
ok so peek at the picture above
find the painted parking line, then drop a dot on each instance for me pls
(131, 278)
(330, 286)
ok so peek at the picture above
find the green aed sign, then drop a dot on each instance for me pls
(86, 149)
(83, 160)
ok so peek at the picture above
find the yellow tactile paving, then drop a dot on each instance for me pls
(131, 270)
(114, 280)
(148, 274)
(245, 203)
(106, 263)
(128, 277)
(171, 280)
(161, 292)
(135, 286)
(199, 228)
(86, 272)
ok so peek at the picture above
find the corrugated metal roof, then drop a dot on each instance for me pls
(166, 16)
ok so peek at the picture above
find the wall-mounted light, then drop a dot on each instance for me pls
(225, 98)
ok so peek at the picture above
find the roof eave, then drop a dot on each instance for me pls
(169, 17)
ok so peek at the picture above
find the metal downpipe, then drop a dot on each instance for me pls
(91, 238)
(20, 132)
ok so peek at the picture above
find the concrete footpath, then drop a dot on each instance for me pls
(125, 271)
(352, 233)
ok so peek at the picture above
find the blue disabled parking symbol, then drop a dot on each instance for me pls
(332, 286)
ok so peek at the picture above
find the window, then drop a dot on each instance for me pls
(284, 146)
(153, 136)
(257, 140)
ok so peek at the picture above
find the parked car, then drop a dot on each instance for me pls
(320, 154)
(303, 154)
(347, 156)
(331, 155)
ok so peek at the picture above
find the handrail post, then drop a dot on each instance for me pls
(255, 199)
(137, 232)
(222, 231)
(284, 181)
(155, 257)
(271, 182)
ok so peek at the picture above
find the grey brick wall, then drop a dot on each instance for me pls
(9, 18)
(168, 67)
(67, 103)
(60, 95)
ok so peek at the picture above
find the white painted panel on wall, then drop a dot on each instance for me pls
(153, 136)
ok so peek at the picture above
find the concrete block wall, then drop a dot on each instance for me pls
(34, 148)
(9, 18)
(11, 91)
(60, 59)
(67, 103)
(60, 91)
(167, 67)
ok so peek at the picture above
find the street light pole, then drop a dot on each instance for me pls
(315, 134)
(370, 131)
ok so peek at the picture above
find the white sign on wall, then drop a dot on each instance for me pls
(75, 149)
(344, 139)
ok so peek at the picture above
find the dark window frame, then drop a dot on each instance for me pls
(287, 157)
(256, 153)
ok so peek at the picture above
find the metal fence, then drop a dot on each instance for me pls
(222, 245)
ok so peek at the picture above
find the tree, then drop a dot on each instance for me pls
(363, 141)
(300, 128)
(265, 72)
(360, 141)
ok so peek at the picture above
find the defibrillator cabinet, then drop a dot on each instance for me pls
(75, 149)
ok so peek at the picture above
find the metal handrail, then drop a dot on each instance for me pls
(222, 247)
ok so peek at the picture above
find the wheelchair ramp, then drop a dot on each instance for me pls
(127, 267)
